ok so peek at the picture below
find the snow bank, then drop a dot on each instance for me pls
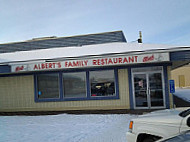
(64, 128)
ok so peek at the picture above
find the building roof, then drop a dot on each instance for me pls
(97, 50)
(51, 42)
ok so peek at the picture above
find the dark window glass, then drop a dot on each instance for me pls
(102, 83)
(48, 86)
(74, 84)
(140, 88)
(156, 97)
(156, 91)
(144, 69)
(155, 81)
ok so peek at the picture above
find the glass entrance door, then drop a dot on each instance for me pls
(148, 90)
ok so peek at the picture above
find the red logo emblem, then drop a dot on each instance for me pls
(19, 68)
(147, 58)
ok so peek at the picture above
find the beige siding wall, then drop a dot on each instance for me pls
(124, 87)
(182, 71)
(17, 94)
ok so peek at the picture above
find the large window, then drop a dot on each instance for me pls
(102, 83)
(74, 84)
(48, 86)
(79, 85)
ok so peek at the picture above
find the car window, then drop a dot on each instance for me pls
(185, 113)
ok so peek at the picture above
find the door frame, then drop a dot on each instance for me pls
(147, 78)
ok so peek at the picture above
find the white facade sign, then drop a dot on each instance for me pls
(94, 62)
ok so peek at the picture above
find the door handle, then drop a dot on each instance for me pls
(148, 91)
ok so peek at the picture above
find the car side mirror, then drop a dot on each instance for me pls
(188, 121)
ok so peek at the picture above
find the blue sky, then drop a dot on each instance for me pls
(161, 21)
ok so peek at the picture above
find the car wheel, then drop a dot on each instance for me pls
(149, 139)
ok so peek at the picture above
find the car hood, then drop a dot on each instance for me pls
(163, 112)
(168, 116)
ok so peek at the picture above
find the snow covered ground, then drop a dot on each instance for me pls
(64, 128)
(69, 128)
(183, 93)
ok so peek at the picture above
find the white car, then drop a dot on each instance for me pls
(158, 125)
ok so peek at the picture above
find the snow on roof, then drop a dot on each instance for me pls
(77, 52)
(3, 60)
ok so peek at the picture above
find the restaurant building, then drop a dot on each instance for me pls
(87, 72)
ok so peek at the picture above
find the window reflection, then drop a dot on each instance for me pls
(48, 86)
(140, 85)
(102, 83)
(74, 84)
(156, 92)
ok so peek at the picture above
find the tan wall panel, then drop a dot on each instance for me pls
(181, 80)
(124, 87)
(17, 94)
(181, 71)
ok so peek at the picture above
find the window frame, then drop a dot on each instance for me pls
(88, 87)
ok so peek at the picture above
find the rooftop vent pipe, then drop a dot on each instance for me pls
(140, 37)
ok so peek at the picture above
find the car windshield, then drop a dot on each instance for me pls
(185, 113)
